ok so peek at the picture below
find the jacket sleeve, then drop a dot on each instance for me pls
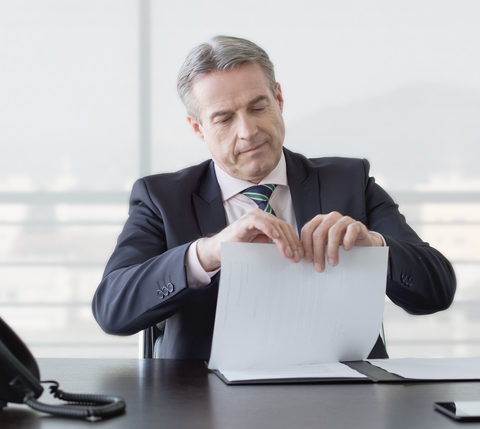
(420, 280)
(144, 280)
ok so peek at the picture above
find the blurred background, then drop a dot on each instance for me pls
(88, 103)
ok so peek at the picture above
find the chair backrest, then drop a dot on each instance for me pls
(151, 337)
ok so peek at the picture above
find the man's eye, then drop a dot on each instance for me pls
(223, 120)
(258, 110)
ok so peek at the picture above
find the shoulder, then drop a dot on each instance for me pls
(170, 185)
(183, 177)
(329, 166)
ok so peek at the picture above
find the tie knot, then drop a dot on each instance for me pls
(261, 194)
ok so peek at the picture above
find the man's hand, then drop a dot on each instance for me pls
(325, 233)
(255, 226)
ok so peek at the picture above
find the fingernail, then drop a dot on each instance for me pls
(332, 262)
(318, 267)
(288, 251)
(308, 257)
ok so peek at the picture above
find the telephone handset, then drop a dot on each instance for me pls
(20, 383)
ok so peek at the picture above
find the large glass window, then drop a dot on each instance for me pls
(69, 139)
(396, 83)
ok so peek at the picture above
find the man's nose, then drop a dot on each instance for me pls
(247, 126)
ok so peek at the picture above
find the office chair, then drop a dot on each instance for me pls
(152, 338)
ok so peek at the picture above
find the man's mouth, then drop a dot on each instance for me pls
(252, 149)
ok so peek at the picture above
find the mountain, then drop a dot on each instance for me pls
(411, 136)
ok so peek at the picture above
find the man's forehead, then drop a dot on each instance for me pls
(229, 82)
(223, 90)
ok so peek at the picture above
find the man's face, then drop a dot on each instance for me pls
(240, 120)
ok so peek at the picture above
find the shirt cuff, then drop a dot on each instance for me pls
(196, 275)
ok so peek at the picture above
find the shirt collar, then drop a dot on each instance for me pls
(230, 186)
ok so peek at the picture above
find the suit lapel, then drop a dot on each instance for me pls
(208, 204)
(304, 189)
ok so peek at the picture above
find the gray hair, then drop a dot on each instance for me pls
(220, 53)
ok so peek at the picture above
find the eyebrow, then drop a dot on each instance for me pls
(228, 112)
(258, 99)
(220, 113)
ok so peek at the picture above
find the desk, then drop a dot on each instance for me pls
(182, 394)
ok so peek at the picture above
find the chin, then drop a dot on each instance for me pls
(257, 174)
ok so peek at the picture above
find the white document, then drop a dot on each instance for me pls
(275, 314)
(322, 370)
(431, 368)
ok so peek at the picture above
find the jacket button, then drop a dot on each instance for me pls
(160, 293)
(170, 287)
(165, 290)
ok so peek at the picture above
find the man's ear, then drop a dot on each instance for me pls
(279, 95)
(196, 126)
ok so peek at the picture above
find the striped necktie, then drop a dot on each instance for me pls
(261, 195)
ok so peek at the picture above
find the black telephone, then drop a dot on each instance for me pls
(20, 383)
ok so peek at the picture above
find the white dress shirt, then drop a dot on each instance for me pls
(236, 205)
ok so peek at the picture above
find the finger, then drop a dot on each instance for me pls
(278, 230)
(286, 248)
(261, 238)
(354, 231)
(257, 221)
(306, 235)
(285, 242)
(298, 243)
(336, 236)
(320, 239)
(293, 241)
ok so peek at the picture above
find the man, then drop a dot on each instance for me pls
(166, 263)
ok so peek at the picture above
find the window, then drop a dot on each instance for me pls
(70, 149)
(397, 84)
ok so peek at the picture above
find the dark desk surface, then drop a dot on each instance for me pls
(182, 394)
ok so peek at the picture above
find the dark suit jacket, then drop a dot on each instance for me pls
(145, 279)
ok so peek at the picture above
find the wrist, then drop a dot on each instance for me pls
(208, 253)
